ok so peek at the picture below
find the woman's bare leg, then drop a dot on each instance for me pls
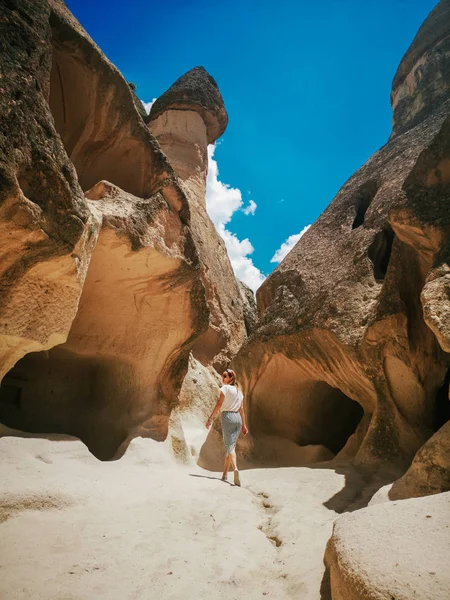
(226, 466)
(233, 462)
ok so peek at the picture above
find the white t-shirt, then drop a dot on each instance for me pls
(233, 398)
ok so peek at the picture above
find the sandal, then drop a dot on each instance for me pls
(237, 479)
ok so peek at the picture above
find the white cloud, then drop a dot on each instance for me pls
(250, 209)
(148, 105)
(287, 246)
(222, 201)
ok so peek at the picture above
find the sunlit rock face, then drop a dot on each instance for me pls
(44, 220)
(111, 271)
(359, 567)
(351, 347)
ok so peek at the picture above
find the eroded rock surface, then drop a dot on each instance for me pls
(359, 567)
(184, 120)
(351, 347)
(429, 472)
(249, 305)
(53, 490)
(45, 224)
(198, 396)
(113, 272)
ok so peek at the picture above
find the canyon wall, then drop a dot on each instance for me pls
(112, 273)
(351, 350)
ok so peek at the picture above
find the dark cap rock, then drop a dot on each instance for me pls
(195, 90)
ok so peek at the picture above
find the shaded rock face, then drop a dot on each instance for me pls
(249, 305)
(351, 346)
(112, 273)
(429, 472)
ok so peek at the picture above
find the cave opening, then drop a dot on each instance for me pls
(307, 412)
(54, 391)
(442, 405)
(363, 200)
(112, 376)
(379, 252)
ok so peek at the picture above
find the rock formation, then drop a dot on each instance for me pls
(185, 119)
(416, 564)
(118, 305)
(113, 272)
(45, 224)
(351, 347)
(198, 395)
(429, 472)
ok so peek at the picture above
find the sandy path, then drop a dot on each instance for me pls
(144, 527)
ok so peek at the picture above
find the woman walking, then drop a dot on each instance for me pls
(230, 403)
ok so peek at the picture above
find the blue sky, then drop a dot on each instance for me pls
(306, 86)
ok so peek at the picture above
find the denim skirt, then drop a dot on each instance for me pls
(231, 427)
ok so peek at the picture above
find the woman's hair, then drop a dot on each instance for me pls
(233, 378)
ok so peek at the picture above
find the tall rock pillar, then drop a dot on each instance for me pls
(185, 119)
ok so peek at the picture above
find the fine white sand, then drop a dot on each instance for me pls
(145, 527)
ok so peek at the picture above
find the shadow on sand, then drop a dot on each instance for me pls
(209, 477)
(361, 484)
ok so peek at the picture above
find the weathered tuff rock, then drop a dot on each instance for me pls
(195, 91)
(185, 120)
(422, 81)
(351, 347)
(359, 567)
(429, 472)
(112, 273)
(249, 306)
(45, 224)
(198, 396)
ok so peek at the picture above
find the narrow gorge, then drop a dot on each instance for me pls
(119, 309)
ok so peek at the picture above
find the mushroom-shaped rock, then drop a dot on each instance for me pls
(184, 120)
(195, 90)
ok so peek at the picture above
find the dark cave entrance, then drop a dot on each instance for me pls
(56, 391)
(442, 406)
(286, 404)
(336, 417)
(379, 252)
(363, 200)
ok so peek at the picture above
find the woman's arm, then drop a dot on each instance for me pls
(244, 420)
(216, 410)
